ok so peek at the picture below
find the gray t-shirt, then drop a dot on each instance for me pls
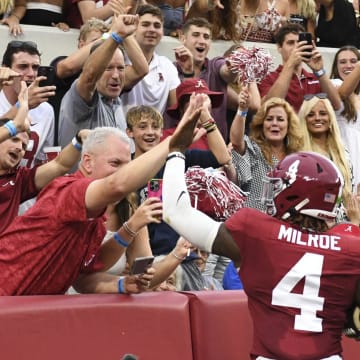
(76, 114)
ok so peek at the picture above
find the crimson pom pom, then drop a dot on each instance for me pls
(251, 64)
(213, 193)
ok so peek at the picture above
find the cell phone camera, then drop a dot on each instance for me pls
(154, 186)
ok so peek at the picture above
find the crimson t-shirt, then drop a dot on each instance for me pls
(16, 186)
(44, 251)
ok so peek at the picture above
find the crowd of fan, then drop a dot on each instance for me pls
(116, 79)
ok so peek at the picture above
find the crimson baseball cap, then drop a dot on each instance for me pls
(194, 85)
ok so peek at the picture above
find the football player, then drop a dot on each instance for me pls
(300, 271)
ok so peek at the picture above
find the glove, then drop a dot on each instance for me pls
(352, 326)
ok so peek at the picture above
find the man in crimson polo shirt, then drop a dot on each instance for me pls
(290, 80)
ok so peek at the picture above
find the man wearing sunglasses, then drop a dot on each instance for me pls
(24, 58)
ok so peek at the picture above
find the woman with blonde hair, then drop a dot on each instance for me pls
(274, 133)
(322, 135)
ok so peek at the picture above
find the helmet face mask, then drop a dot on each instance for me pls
(306, 183)
(271, 187)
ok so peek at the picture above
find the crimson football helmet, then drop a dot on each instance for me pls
(306, 183)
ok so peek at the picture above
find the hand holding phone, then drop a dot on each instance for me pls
(140, 265)
(306, 36)
(155, 188)
(49, 72)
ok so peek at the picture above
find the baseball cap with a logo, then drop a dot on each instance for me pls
(194, 85)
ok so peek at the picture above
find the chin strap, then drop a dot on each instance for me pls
(295, 209)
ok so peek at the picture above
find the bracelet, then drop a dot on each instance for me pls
(117, 38)
(242, 113)
(17, 104)
(213, 128)
(319, 73)
(121, 288)
(208, 123)
(76, 144)
(11, 127)
(126, 227)
(120, 240)
(189, 75)
(16, 16)
(175, 154)
(177, 256)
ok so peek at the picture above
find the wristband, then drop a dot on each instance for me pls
(319, 73)
(189, 75)
(117, 38)
(11, 127)
(175, 154)
(76, 144)
(78, 137)
(242, 113)
(121, 288)
(177, 256)
(120, 240)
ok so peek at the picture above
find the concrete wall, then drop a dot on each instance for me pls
(53, 42)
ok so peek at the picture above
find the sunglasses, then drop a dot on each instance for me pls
(319, 96)
(15, 44)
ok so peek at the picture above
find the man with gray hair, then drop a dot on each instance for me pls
(48, 249)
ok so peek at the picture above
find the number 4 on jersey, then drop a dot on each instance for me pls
(309, 302)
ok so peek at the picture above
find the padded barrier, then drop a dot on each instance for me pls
(220, 324)
(222, 328)
(95, 327)
(206, 325)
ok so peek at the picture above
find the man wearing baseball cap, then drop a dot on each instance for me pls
(183, 93)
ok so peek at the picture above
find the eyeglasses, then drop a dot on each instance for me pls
(15, 44)
(319, 96)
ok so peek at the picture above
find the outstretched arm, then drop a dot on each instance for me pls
(136, 173)
(195, 226)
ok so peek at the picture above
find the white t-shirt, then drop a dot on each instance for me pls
(42, 130)
(153, 90)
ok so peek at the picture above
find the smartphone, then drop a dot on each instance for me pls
(154, 188)
(49, 72)
(306, 36)
(140, 265)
